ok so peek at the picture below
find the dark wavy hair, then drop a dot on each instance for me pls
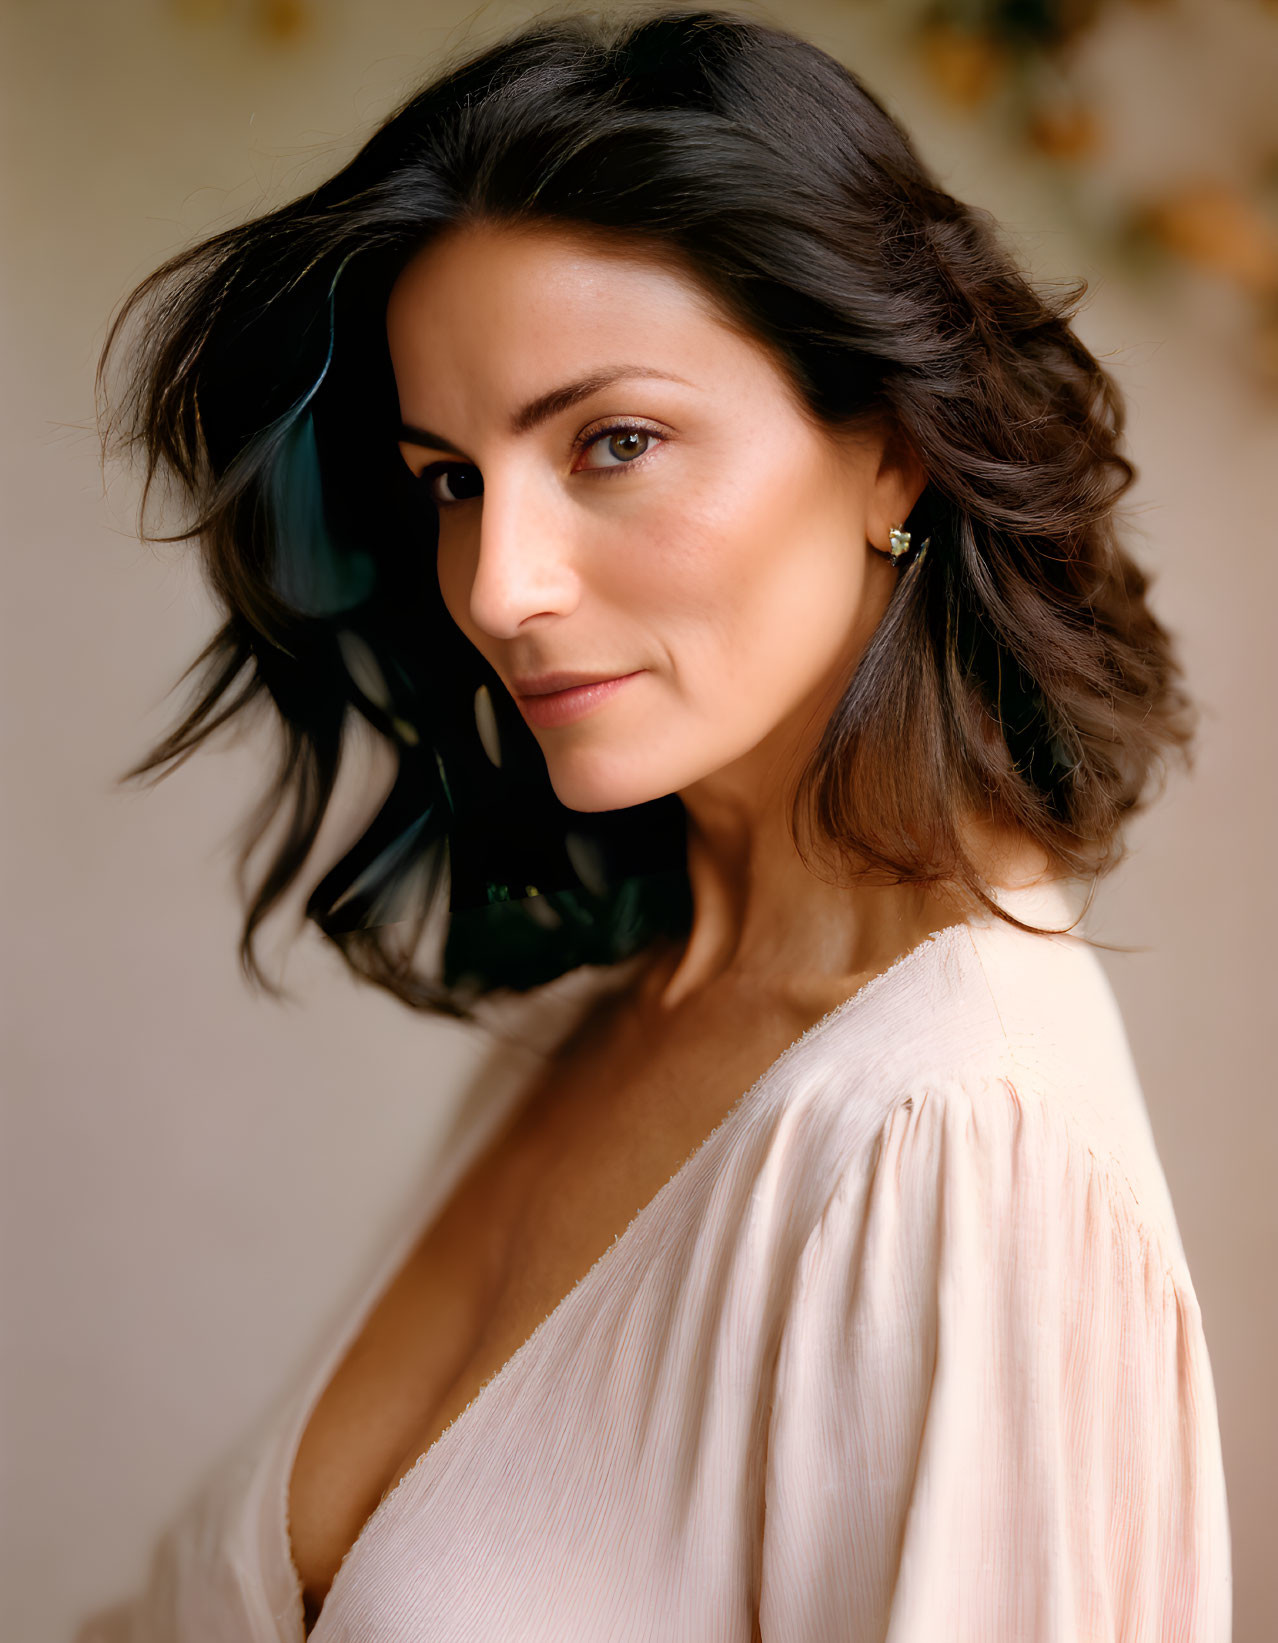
(1018, 672)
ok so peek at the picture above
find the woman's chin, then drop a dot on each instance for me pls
(591, 797)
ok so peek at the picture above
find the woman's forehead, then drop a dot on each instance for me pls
(533, 323)
(553, 277)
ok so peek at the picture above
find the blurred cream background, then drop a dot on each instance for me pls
(195, 1178)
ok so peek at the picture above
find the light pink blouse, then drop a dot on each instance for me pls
(906, 1350)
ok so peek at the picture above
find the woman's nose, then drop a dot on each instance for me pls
(524, 563)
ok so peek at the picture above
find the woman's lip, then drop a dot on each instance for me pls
(561, 707)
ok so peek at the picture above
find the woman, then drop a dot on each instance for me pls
(720, 530)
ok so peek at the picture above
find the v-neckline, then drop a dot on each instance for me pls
(404, 1246)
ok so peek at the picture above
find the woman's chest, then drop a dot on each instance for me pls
(607, 1127)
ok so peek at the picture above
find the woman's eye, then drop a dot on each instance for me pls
(448, 483)
(445, 474)
(625, 442)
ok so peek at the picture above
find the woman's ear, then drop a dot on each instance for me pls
(898, 484)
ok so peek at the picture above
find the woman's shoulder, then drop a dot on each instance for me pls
(987, 1048)
(992, 1351)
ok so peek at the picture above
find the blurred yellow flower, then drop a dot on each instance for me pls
(964, 64)
(1214, 225)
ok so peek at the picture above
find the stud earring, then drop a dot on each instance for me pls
(899, 540)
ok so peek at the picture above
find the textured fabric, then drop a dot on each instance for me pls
(907, 1350)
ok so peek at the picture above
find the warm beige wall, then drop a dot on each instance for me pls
(193, 1177)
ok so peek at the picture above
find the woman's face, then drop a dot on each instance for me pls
(627, 488)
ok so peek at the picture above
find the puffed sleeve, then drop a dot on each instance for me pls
(994, 1418)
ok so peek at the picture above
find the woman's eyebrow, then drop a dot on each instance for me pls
(546, 405)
